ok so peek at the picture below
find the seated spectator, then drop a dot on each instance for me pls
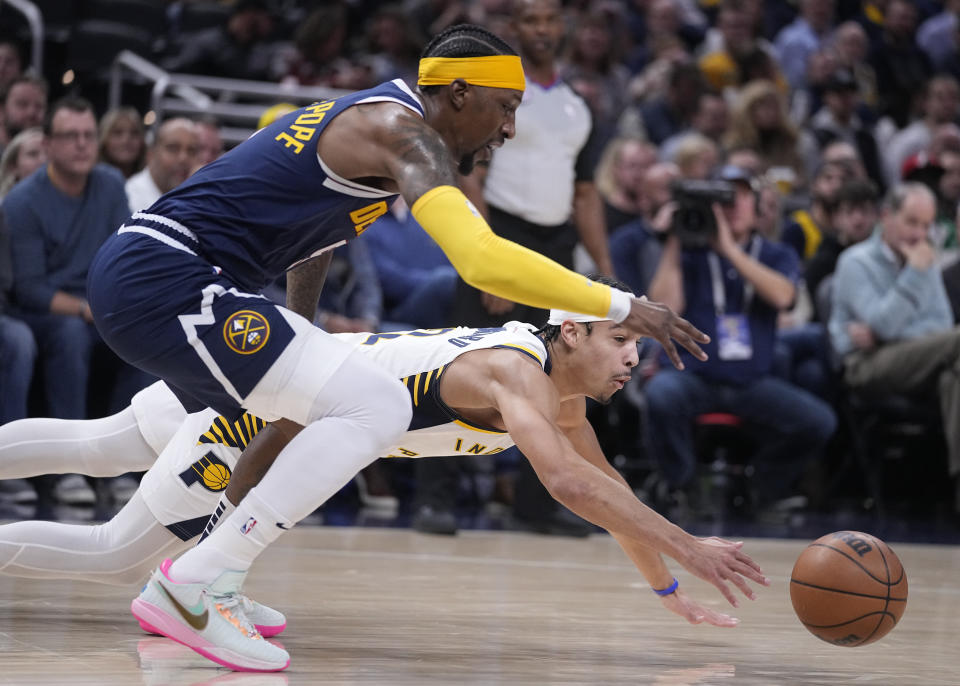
(636, 247)
(924, 166)
(733, 291)
(796, 42)
(417, 279)
(838, 120)
(759, 120)
(899, 64)
(802, 351)
(239, 49)
(594, 56)
(171, 158)
(57, 218)
(25, 154)
(656, 22)
(807, 227)
(711, 119)
(731, 55)
(937, 36)
(321, 57)
(22, 106)
(944, 233)
(891, 320)
(746, 158)
(851, 48)
(619, 178)
(844, 153)
(123, 140)
(651, 84)
(393, 45)
(11, 63)
(669, 114)
(210, 143)
(17, 347)
(852, 216)
(696, 156)
(941, 105)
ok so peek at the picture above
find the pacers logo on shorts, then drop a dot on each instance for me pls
(246, 332)
(209, 471)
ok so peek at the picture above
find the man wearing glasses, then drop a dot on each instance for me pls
(57, 219)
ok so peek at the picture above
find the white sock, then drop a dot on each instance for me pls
(234, 544)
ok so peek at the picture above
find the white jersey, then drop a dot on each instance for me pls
(183, 486)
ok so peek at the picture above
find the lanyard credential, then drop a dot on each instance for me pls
(716, 279)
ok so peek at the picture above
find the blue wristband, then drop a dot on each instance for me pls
(668, 590)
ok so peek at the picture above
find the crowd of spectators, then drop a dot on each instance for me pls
(814, 111)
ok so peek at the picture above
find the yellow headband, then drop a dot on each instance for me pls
(495, 71)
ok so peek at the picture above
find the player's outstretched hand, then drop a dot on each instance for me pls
(695, 613)
(719, 561)
(656, 320)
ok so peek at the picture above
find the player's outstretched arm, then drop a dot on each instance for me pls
(649, 562)
(527, 401)
(416, 158)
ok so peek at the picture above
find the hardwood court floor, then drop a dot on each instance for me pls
(379, 606)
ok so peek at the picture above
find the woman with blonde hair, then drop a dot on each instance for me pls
(619, 178)
(759, 121)
(123, 140)
(696, 156)
(23, 156)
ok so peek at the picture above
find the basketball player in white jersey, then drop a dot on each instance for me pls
(473, 390)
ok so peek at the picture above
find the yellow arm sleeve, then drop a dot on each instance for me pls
(501, 267)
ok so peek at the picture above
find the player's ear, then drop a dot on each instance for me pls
(570, 333)
(457, 92)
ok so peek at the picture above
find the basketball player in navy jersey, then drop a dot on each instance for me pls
(175, 292)
(475, 391)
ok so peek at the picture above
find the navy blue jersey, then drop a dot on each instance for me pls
(271, 201)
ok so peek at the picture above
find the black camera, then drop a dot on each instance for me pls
(693, 222)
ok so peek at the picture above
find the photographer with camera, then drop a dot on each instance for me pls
(731, 283)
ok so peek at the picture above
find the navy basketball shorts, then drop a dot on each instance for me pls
(172, 314)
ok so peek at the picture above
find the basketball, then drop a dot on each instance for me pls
(848, 588)
(215, 476)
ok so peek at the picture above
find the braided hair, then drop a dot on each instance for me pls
(464, 40)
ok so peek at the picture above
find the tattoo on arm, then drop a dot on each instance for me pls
(304, 283)
(420, 159)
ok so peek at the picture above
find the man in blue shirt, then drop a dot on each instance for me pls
(17, 347)
(734, 291)
(891, 319)
(57, 218)
(796, 42)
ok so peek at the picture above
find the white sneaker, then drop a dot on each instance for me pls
(268, 622)
(210, 619)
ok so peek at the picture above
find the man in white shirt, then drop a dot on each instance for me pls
(171, 158)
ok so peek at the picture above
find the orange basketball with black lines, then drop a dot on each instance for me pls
(215, 476)
(848, 588)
